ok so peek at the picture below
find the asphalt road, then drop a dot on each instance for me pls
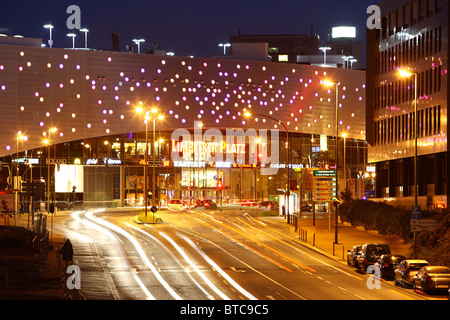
(208, 255)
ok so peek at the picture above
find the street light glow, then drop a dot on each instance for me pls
(329, 83)
(405, 73)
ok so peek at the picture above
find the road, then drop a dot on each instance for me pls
(208, 255)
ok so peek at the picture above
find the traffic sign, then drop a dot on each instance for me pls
(423, 225)
(154, 209)
(416, 213)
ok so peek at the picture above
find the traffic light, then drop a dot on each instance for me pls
(219, 184)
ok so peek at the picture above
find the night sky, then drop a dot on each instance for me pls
(185, 27)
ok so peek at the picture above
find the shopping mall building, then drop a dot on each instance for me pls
(78, 110)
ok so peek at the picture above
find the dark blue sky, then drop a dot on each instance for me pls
(186, 27)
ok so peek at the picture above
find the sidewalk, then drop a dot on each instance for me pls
(321, 236)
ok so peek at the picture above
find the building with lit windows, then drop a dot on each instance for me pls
(413, 37)
(78, 110)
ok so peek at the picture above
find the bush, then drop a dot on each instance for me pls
(377, 216)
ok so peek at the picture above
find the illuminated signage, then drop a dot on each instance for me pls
(91, 161)
(55, 161)
(112, 161)
(201, 147)
(105, 161)
(343, 32)
(27, 160)
(189, 164)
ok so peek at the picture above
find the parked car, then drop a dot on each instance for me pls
(370, 253)
(272, 205)
(175, 204)
(352, 254)
(406, 271)
(387, 264)
(432, 278)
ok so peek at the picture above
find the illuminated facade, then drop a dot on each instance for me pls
(91, 97)
(414, 36)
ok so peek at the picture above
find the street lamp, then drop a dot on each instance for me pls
(47, 142)
(324, 49)
(224, 45)
(336, 85)
(351, 62)
(288, 147)
(346, 59)
(20, 137)
(85, 30)
(73, 35)
(138, 42)
(50, 27)
(407, 74)
(147, 118)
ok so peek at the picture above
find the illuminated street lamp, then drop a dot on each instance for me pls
(138, 42)
(346, 59)
(147, 118)
(324, 49)
(72, 35)
(336, 85)
(288, 147)
(85, 30)
(20, 137)
(407, 74)
(47, 142)
(49, 27)
(224, 45)
(351, 62)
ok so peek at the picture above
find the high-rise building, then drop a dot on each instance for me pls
(413, 37)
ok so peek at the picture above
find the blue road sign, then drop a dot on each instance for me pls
(416, 212)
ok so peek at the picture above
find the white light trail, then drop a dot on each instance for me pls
(76, 216)
(139, 250)
(210, 284)
(218, 269)
(186, 258)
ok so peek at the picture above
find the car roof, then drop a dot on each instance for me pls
(416, 261)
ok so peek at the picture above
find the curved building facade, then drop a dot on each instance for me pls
(84, 104)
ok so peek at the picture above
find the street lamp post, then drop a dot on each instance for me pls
(324, 49)
(288, 147)
(147, 118)
(405, 73)
(50, 27)
(85, 30)
(336, 84)
(72, 35)
(138, 42)
(47, 142)
(224, 45)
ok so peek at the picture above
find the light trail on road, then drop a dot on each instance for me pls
(190, 262)
(107, 233)
(218, 269)
(139, 249)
